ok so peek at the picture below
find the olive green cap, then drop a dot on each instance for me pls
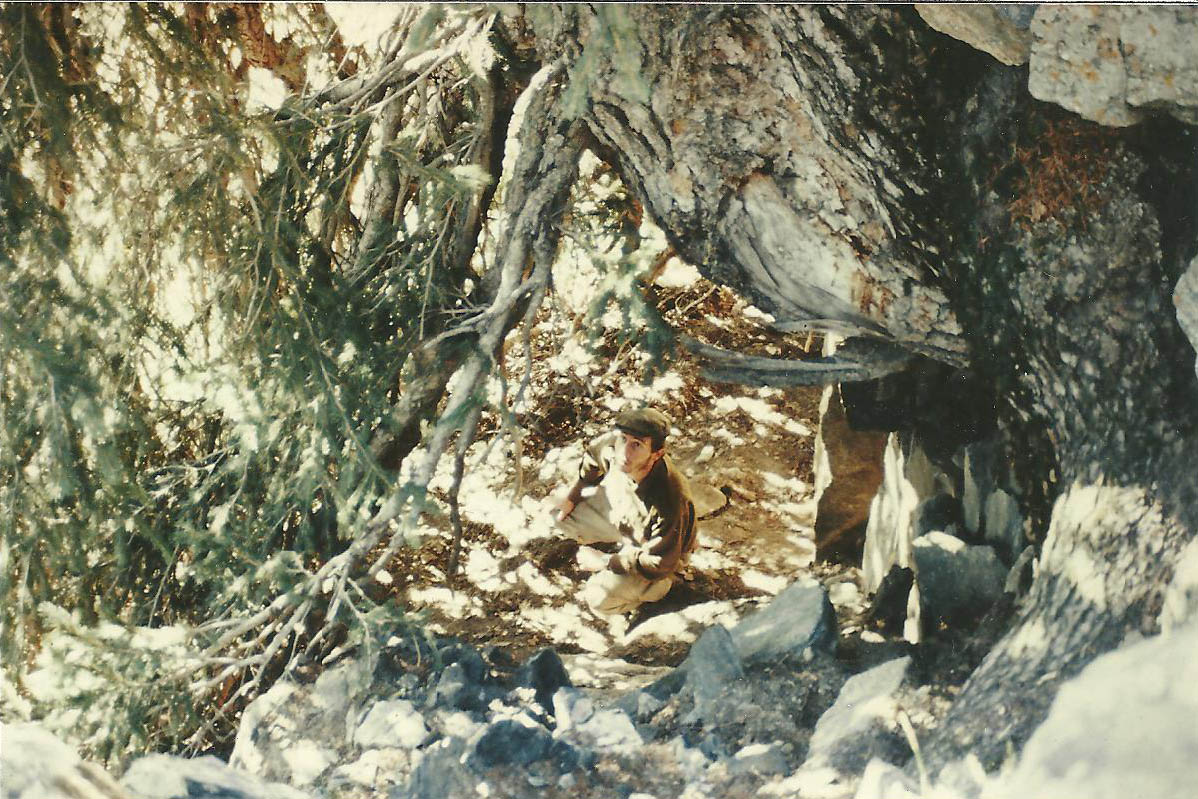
(645, 422)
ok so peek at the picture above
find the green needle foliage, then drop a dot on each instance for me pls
(238, 254)
(199, 337)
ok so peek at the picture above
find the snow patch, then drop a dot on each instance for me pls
(762, 412)
(453, 605)
(769, 583)
(678, 274)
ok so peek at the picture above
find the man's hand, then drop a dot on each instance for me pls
(565, 508)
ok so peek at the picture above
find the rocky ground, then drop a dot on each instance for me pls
(727, 687)
(761, 674)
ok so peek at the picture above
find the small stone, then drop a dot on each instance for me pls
(799, 617)
(571, 708)
(764, 759)
(170, 777)
(860, 724)
(712, 665)
(958, 583)
(647, 706)
(509, 741)
(545, 673)
(391, 723)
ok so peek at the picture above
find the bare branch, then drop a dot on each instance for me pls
(856, 360)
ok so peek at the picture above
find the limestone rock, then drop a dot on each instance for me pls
(169, 777)
(1185, 300)
(545, 673)
(848, 471)
(441, 773)
(881, 780)
(391, 723)
(283, 735)
(509, 741)
(957, 583)
(799, 617)
(712, 665)
(888, 535)
(861, 724)
(34, 764)
(1160, 52)
(373, 774)
(759, 759)
(1180, 606)
(1123, 727)
(991, 29)
(1111, 64)
(1004, 525)
(600, 728)
(981, 468)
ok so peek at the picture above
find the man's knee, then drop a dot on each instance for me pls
(609, 593)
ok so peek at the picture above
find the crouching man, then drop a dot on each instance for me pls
(629, 494)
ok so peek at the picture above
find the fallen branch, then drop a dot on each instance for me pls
(855, 360)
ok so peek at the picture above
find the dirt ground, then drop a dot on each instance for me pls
(747, 451)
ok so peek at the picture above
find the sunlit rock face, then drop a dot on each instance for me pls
(1089, 745)
(1001, 31)
(36, 765)
(1114, 65)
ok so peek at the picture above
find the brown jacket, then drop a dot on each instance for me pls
(668, 535)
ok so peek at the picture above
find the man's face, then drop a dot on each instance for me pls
(638, 453)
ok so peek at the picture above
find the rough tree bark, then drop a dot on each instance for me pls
(849, 169)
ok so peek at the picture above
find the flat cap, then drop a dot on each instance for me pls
(646, 422)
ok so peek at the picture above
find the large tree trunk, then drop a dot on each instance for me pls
(849, 169)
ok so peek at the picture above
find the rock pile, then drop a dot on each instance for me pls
(735, 719)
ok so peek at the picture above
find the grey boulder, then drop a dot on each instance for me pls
(957, 583)
(1123, 727)
(169, 777)
(861, 724)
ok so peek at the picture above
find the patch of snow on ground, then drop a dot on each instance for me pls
(633, 391)
(753, 312)
(574, 357)
(771, 584)
(790, 485)
(559, 463)
(677, 274)
(566, 623)
(537, 582)
(592, 560)
(668, 626)
(707, 558)
(708, 614)
(761, 411)
(482, 569)
(728, 437)
(484, 497)
(804, 555)
(591, 671)
(452, 604)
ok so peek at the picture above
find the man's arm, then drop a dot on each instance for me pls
(595, 463)
(658, 557)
